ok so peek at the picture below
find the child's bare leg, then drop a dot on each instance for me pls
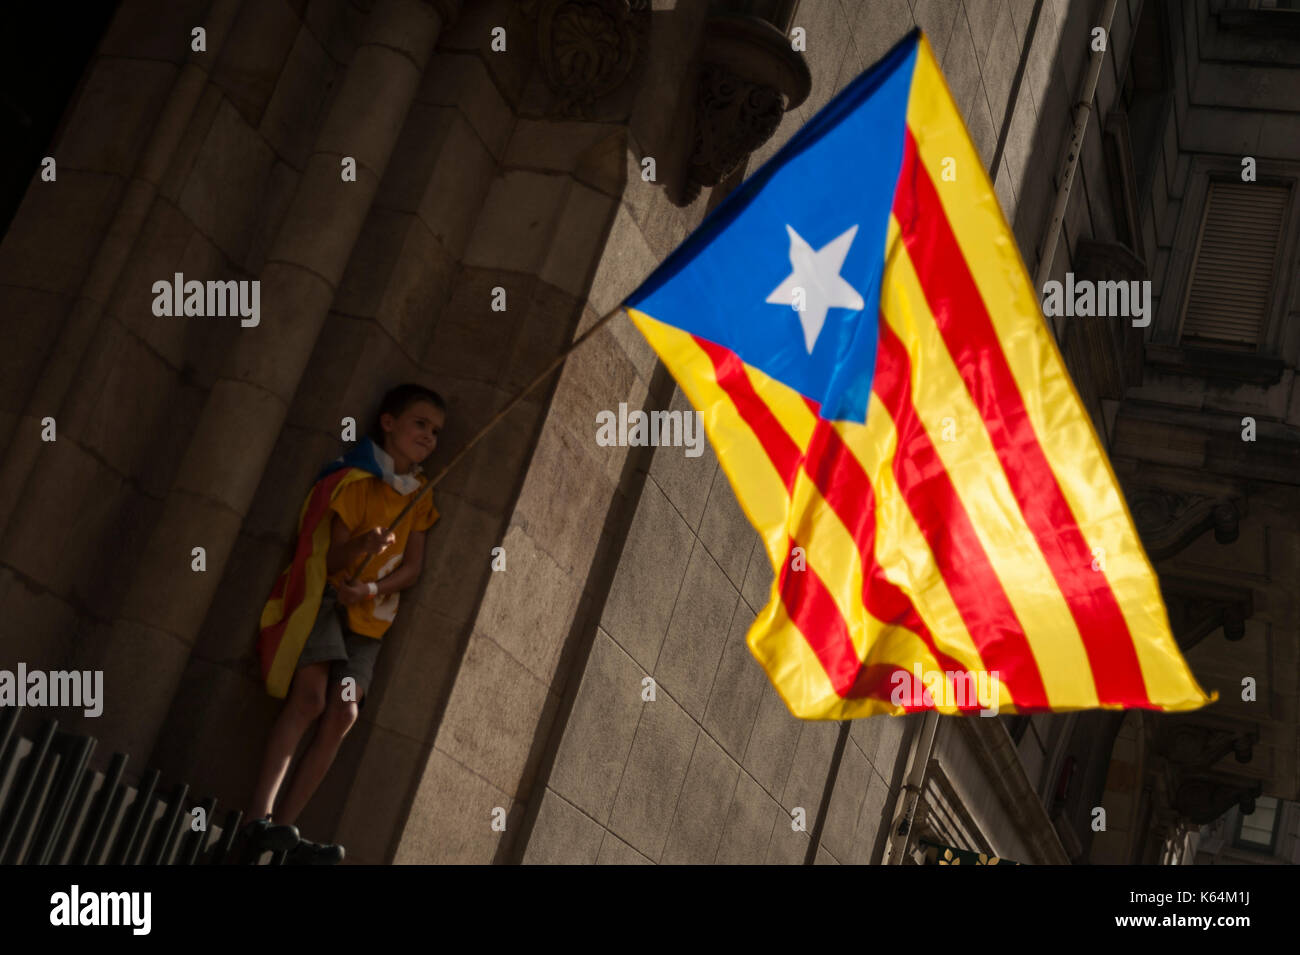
(306, 702)
(334, 725)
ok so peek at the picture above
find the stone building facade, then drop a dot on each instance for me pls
(505, 146)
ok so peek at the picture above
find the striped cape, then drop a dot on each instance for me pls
(291, 610)
(858, 331)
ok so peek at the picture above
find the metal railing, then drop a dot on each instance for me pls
(56, 810)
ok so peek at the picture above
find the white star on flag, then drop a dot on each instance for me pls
(818, 275)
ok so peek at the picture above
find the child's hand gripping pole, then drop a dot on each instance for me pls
(509, 406)
(397, 520)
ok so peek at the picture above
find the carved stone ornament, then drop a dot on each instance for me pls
(733, 118)
(1197, 608)
(586, 48)
(1191, 746)
(1168, 521)
(749, 77)
(1201, 800)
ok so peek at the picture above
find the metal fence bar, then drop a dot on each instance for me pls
(105, 811)
(8, 722)
(74, 754)
(165, 833)
(22, 793)
(131, 841)
(228, 830)
(76, 810)
(51, 813)
(42, 792)
(195, 839)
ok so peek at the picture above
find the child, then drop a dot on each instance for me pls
(321, 630)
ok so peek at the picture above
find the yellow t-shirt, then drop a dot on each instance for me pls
(369, 503)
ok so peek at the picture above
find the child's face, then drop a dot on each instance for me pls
(414, 433)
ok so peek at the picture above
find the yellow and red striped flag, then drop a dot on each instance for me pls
(859, 334)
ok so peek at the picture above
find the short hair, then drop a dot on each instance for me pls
(398, 400)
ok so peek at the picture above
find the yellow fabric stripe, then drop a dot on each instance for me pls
(303, 617)
(758, 486)
(793, 668)
(901, 548)
(801, 683)
(780, 647)
(831, 554)
(941, 401)
(786, 404)
(799, 422)
(903, 648)
(1065, 432)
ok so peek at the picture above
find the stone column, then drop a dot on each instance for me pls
(83, 317)
(144, 652)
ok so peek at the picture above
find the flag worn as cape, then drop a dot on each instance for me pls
(291, 610)
(858, 331)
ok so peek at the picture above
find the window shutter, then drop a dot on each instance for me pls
(1232, 278)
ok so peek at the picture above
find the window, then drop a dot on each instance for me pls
(1231, 287)
(1258, 831)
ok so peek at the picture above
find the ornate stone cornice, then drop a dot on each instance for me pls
(1197, 608)
(733, 118)
(1191, 746)
(1201, 799)
(749, 77)
(1169, 520)
(586, 48)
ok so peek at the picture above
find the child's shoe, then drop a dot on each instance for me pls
(261, 835)
(307, 852)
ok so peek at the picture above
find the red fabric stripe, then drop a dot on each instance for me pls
(933, 501)
(813, 610)
(780, 447)
(972, 340)
(292, 583)
(844, 484)
(847, 489)
(879, 680)
(807, 602)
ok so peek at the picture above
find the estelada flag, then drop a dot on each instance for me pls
(859, 334)
(291, 610)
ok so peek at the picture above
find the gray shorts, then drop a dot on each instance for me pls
(353, 654)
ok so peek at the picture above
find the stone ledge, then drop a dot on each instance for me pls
(1249, 367)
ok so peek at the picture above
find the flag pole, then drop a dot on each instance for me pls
(556, 362)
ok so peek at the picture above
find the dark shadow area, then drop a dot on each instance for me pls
(44, 53)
